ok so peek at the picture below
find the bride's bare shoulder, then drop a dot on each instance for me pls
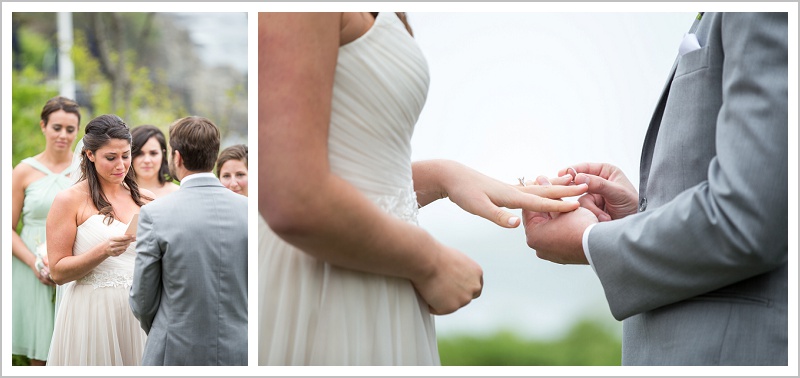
(73, 196)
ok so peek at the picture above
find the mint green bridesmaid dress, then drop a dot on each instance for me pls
(32, 302)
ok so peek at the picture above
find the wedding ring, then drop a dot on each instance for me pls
(573, 176)
(573, 170)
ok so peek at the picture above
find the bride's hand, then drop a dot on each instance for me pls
(118, 244)
(484, 196)
(453, 283)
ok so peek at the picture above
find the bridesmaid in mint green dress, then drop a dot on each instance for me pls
(35, 182)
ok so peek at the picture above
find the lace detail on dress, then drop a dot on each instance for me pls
(107, 279)
(403, 205)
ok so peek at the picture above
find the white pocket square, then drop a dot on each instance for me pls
(688, 44)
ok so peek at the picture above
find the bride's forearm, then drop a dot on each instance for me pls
(71, 268)
(335, 223)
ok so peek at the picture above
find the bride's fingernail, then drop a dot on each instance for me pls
(512, 221)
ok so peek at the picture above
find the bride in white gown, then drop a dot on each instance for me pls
(90, 254)
(346, 277)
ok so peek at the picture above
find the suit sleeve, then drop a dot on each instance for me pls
(732, 226)
(145, 293)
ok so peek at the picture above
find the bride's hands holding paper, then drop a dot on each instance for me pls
(118, 244)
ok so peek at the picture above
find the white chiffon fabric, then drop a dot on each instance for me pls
(94, 324)
(312, 313)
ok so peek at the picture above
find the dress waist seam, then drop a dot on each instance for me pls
(106, 279)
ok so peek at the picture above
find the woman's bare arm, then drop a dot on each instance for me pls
(308, 206)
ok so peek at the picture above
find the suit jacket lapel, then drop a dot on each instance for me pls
(655, 124)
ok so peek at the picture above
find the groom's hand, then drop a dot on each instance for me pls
(610, 196)
(454, 282)
(557, 237)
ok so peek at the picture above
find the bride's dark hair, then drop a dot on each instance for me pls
(99, 132)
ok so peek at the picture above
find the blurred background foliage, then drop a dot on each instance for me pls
(588, 343)
(144, 67)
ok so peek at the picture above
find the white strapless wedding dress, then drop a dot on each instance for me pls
(312, 313)
(94, 324)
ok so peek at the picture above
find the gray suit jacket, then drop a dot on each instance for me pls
(190, 279)
(700, 273)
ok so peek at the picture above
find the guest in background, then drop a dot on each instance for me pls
(149, 164)
(34, 183)
(232, 168)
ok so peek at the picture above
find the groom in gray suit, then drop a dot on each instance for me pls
(695, 263)
(190, 279)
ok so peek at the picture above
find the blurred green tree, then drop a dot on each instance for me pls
(30, 89)
(119, 68)
(586, 344)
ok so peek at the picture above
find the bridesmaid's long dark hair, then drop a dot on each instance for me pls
(99, 132)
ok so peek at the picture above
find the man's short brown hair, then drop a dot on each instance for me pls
(197, 139)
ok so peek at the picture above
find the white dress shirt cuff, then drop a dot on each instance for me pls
(586, 245)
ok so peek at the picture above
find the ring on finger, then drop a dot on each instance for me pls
(575, 175)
